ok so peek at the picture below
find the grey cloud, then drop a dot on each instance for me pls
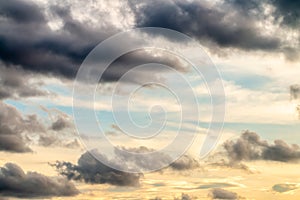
(21, 11)
(295, 92)
(60, 124)
(91, 170)
(61, 132)
(13, 127)
(183, 197)
(295, 96)
(286, 11)
(135, 58)
(18, 131)
(281, 151)
(15, 83)
(58, 52)
(41, 49)
(289, 10)
(250, 147)
(226, 28)
(15, 182)
(185, 163)
(226, 24)
(219, 193)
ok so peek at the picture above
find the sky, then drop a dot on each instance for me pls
(153, 99)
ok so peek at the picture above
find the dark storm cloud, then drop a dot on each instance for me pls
(13, 126)
(26, 40)
(91, 170)
(21, 11)
(31, 43)
(221, 25)
(133, 59)
(289, 10)
(251, 147)
(15, 182)
(14, 83)
(219, 193)
(286, 10)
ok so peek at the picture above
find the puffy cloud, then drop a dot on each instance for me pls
(219, 193)
(60, 124)
(91, 170)
(250, 147)
(18, 131)
(13, 127)
(15, 182)
(185, 163)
